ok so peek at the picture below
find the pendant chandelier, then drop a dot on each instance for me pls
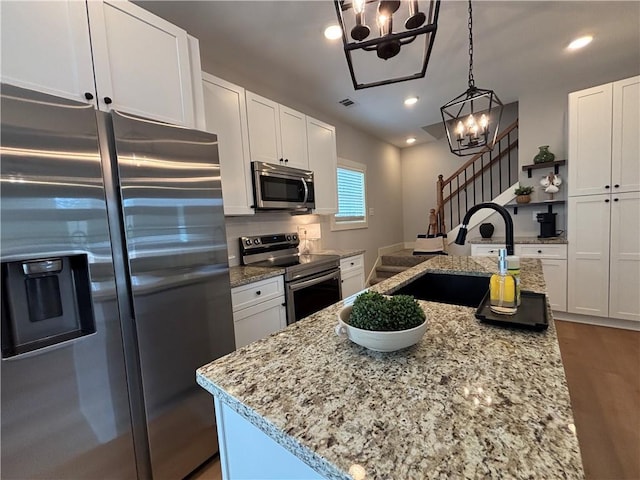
(472, 119)
(353, 16)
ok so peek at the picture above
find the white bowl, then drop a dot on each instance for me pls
(375, 340)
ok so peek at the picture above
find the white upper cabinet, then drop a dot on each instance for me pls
(590, 141)
(46, 47)
(225, 115)
(625, 155)
(141, 63)
(277, 134)
(323, 161)
(293, 131)
(604, 133)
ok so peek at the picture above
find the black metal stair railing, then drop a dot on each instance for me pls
(480, 179)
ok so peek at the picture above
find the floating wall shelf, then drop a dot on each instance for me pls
(534, 166)
(548, 203)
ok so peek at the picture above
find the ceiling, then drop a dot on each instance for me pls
(519, 47)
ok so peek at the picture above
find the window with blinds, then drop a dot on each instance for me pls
(352, 207)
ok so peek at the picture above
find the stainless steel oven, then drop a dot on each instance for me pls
(276, 187)
(312, 282)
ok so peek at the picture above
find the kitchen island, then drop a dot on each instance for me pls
(469, 400)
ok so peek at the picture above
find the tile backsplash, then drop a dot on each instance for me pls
(263, 223)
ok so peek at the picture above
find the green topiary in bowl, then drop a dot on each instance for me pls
(373, 311)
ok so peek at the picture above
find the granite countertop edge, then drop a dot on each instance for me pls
(243, 275)
(520, 240)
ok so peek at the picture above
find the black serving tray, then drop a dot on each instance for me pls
(531, 314)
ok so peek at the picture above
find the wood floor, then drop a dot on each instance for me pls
(602, 366)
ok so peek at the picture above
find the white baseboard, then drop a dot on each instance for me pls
(600, 321)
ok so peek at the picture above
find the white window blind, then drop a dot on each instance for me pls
(351, 196)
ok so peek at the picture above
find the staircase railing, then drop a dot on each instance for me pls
(486, 173)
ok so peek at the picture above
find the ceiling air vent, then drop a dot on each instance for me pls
(347, 102)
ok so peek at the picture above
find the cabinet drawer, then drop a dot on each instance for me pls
(486, 250)
(351, 263)
(256, 292)
(541, 251)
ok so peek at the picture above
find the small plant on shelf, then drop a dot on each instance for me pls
(523, 193)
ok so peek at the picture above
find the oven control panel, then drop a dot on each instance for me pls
(273, 242)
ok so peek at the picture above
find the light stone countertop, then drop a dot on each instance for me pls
(343, 253)
(500, 240)
(243, 275)
(469, 400)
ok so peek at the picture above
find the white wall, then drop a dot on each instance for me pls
(384, 184)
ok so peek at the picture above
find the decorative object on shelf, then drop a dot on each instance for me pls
(386, 44)
(551, 183)
(486, 230)
(472, 119)
(544, 155)
(523, 194)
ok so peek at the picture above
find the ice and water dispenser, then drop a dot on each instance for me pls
(45, 301)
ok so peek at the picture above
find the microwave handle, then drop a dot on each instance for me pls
(306, 190)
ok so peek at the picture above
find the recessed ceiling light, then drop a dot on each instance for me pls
(410, 100)
(580, 42)
(333, 32)
(411, 140)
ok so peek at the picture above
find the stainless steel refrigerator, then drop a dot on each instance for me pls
(115, 288)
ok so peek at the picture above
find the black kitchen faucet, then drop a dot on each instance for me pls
(462, 233)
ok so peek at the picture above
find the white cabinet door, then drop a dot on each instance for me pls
(323, 161)
(588, 268)
(352, 275)
(624, 295)
(293, 131)
(625, 155)
(555, 276)
(258, 321)
(46, 47)
(590, 123)
(226, 116)
(141, 63)
(264, 129)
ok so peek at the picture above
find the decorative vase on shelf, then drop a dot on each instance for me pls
(486, 230)
(523, 198)
(544, 155)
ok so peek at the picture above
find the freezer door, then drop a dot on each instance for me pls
(65, 407)
(177, 257)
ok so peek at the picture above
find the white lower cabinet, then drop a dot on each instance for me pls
(604, 253)
(258, 310)
(352, 275)
(553, 258)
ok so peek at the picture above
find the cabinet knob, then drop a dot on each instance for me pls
(258, 292)
(341, 281)
(88, 95)
(615, 199)
(286, 160)
(107, 100)
(281, 160)
(352, 264)
(616, 186)
(607, 186)
(606, 201)
(539, 251)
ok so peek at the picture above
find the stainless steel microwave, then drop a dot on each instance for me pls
(276, 187)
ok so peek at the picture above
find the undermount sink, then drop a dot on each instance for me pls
(467, 290)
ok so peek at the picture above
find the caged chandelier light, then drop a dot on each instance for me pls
(472, 119)
(353, 16)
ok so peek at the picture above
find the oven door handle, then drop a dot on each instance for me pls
(293, 286)
(306, 191)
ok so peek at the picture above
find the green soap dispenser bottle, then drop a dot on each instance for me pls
(503, 293)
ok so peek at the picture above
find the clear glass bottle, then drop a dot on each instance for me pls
(513, 268)
(503, 288)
